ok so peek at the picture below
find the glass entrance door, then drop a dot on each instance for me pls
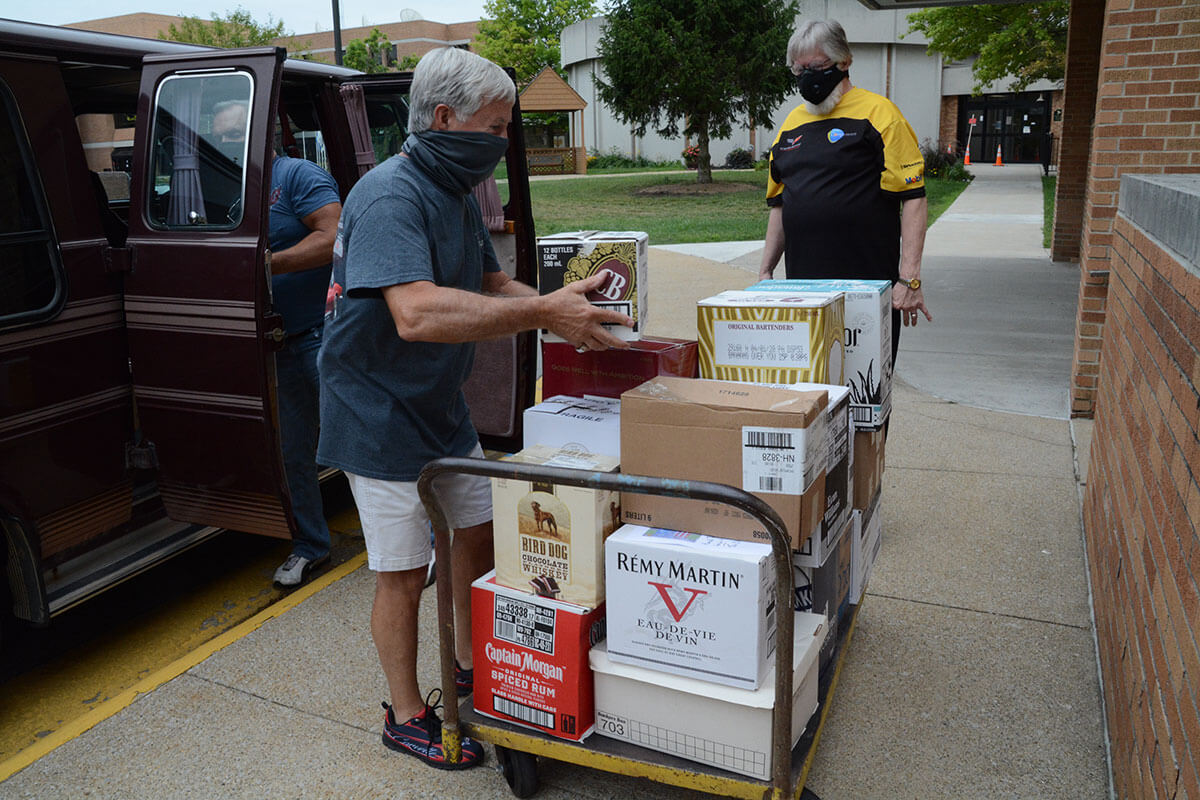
(1019, 124)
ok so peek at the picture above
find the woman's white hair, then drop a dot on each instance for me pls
(818, 34)
(459, 79)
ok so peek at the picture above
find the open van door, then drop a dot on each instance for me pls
(503, 380)
(197, 295)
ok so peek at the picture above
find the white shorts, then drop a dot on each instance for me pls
(394, 522)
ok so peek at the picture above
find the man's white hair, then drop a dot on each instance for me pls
(459, 79)
(828, 36)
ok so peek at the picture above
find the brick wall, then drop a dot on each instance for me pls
(1142, 502)
(1147, 120)
(948, 126)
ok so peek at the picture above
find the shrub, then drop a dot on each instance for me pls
(944, 165)
(615, 159)
(739, 158)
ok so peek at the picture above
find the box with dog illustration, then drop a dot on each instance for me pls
(621, 256)
(549, 540)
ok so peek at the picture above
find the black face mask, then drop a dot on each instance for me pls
(232, 150)
(817, 84)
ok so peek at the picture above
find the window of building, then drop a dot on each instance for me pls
(31, 274)
(199, 136)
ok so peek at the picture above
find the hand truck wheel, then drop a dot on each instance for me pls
(519, 769)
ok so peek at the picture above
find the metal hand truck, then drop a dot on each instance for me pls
(517, 748)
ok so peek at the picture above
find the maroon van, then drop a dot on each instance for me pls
(138, 408)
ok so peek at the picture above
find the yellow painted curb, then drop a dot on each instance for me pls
(176, 668)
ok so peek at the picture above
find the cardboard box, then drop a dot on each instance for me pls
(608, 373)
(838, 487)
(865, 548)
(568, 257)
(868, 466)
(690, 604)
(531, 659)
(587, 425)
(768, 441)
(772, 337)
(825, 589)
(716, 725)
(549, 539)
(868, 339)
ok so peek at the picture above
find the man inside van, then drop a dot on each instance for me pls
(415, 283)
(305, 207)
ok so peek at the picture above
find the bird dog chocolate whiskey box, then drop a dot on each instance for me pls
(621, 257)
(548, 539)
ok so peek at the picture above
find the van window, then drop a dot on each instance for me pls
(199, 138)
(31, 284)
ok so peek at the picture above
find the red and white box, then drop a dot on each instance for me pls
(608, 373)
(531, 659)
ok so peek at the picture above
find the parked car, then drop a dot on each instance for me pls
(138, 408)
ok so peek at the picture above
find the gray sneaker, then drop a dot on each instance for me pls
(293, 571)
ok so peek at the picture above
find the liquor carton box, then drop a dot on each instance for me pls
(621, 255)
(868, 466)
(608, 373)
(826, 589)
(531, 659)
(868, 339)
(716, 725)
(690, 604)
(767, 441)
(583, 424)
(772, 337)
(549, 539)
(864, 548)
(838, 475)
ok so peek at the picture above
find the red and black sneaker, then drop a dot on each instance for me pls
(464, 680)
(421, 736)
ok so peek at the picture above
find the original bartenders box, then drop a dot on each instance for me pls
(838, 475)
(621, 256)
(868, 339)
(531, 659)
(768, 441)
(717, 725)
(583, 424)
(772, 337)
(690, 604)
(608, 373)
(549, 539)
(868, 467)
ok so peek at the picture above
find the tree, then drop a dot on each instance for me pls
(368, 55)
(236, 29)
(1025, 41)
(709, 63)
(524, 34)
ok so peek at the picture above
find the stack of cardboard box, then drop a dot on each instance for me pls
(790, 403)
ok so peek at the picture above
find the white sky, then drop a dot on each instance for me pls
(299, 16)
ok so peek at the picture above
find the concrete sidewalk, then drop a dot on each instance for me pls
(972, 673)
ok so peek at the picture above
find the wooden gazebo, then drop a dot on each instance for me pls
(548, 92)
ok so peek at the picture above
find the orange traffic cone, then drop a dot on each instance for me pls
(999, 163)
(966, 158)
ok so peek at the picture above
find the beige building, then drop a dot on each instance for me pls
(109, 141)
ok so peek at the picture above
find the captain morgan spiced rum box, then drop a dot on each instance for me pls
(690, 604)
(621, 256)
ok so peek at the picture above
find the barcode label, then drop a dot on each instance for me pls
(526, 624)
(534, 716)
(774, 439)
(775, 460)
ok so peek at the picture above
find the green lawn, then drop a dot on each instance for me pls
(611, 204)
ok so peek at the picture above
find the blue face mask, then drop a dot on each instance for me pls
(456, 160)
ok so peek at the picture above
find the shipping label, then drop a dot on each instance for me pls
(526, 624)
(751, 343)
(774, 460)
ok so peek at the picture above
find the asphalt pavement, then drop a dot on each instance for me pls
(972, 672)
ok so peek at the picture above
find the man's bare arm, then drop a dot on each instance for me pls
(315, 249)
(773, 247)
(426, 312)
